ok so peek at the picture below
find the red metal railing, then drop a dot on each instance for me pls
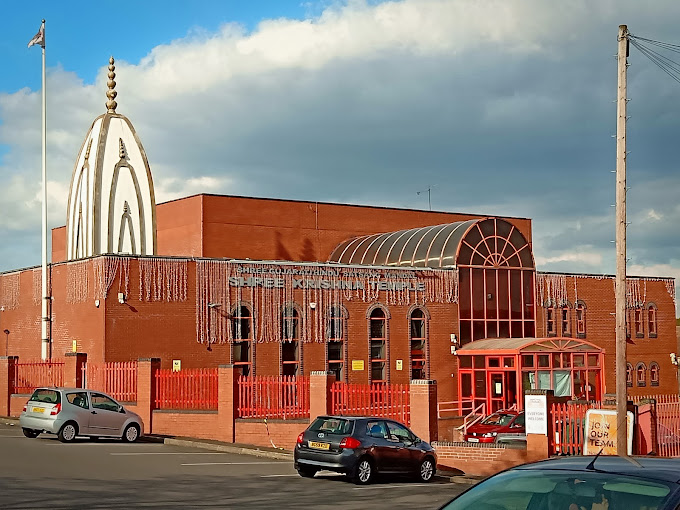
(193, 388)
(376, 399)
(29, 376)
(569, 422)
(283, 397)
(668, 428)
(118, 379)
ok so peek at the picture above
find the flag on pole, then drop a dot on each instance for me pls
(38, 38)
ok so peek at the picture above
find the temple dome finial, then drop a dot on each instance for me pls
(111, 93)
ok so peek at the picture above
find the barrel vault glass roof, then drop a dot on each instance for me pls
(433, 246)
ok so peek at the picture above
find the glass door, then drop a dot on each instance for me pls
(496, 390)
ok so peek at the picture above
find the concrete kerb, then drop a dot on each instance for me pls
(229, 448)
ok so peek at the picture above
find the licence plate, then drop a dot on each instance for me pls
(473, 440)
(319, 446)
(39, 410)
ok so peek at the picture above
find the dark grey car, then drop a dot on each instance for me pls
(362, 447)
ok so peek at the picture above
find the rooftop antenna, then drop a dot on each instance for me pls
(429, 194)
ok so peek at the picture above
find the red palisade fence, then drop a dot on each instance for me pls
(32, 375)
(283, 397)
(118, 379)
(377, 399)
(193, 388)
(569, 422)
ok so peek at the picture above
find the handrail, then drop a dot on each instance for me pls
(473, 417)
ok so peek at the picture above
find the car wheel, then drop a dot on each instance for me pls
(131, 434)
(363, 472)
(31, 433)
(427, 470)
(306, 472)
(68, 432)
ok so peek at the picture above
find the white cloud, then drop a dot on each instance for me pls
(505, 105)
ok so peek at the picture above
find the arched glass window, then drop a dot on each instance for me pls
(654, 373)
(418, 333)
(580, 319)
(641, 374)
(629, 375)
(335, 342)
(290, 345)
(377, 324)
(496, 290)
(651, 320)
(241, 332)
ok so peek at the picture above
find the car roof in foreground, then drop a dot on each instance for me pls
(657, 468)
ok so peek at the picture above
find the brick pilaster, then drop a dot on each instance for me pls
(424, 420)
(73, 369)
(320, 394)
(146, 390)
(6, 382)
(227, 403)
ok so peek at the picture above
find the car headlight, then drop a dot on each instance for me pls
(490, 434)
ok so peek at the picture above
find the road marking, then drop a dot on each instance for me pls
(231, 463)
(169, 453)
(273, 476)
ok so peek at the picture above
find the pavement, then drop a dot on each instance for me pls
(258, 451)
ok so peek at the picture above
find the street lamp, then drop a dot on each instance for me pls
(211, 306)
(6, 332)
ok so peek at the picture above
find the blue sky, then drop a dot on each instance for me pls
(504, 106)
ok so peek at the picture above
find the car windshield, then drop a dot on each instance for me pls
(533, 489)
(498, 419)
(331, 426)
(46, 396)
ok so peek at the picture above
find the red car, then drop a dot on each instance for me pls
(501, 425)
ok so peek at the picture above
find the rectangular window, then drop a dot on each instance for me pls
(651, 317)
(550, 320)
(566, 322)
(336, 358)
(241, 355)
(580, 321)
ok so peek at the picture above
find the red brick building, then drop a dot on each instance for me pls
(281, 287)
(288, 287)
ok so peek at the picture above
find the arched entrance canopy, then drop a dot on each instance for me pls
(495, 372)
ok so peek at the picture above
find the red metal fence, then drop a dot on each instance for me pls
(377, 399)
(193, 388)
(32, 375)
(118, 379)
(283, 397)
(569, 422)
(668, 428)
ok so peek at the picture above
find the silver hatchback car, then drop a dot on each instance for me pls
(71, 412)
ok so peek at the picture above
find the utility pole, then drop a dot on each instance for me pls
(621, 388)
(429, 198)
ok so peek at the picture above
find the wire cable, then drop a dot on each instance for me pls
(667, 65)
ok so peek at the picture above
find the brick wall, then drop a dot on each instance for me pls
(272, 434)
(478, 459)
(197, 424)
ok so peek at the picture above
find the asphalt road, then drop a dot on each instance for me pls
(44, 473)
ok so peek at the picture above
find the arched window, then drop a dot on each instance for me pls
(638, 319)
(629, 375)
(377, 331)
(242, 333)
(335, 342)
(580, 319)
(651, 320)
(290, 344)
(653, 373)
(418, 333)
(641, 374)
(565, 320)
(496, 275)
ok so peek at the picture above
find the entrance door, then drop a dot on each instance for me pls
(496, 390)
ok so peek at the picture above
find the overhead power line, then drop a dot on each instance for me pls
(667, 65)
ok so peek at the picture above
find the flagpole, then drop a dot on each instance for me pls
(45, 350)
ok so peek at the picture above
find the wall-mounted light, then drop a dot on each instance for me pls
(312, 305)
(214, 305)
(96, 303)
(674, 359)
(121, 298)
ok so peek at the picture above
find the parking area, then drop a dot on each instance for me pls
(45, 473)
